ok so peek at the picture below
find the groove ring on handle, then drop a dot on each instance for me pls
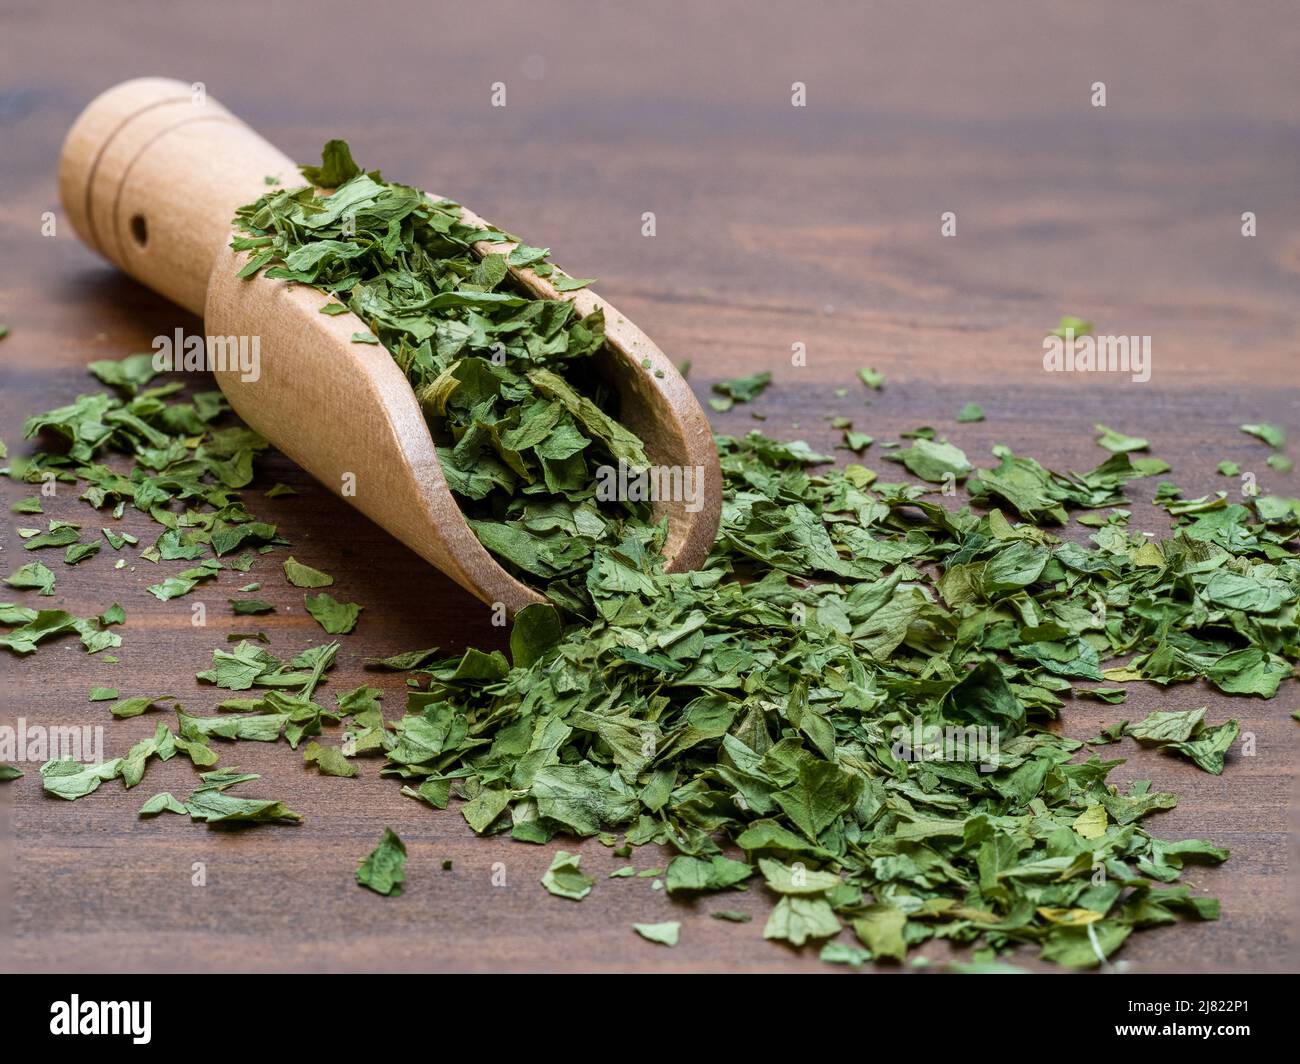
(88, 208)
(117, 227)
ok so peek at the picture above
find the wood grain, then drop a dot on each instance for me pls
(775, 225)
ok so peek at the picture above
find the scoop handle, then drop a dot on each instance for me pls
(150, 176)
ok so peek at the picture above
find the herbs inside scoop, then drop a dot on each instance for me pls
(520, 414)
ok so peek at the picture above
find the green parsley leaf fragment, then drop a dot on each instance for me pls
(843, 953)
(329, 760)
(1273, 435)
(211, 804)
(970, 412)
(337, 618)
(250, 607)
(740, 390)
(934, 461)
(384, 870)
(1117, 442)
(165, 802)
(79, 552)
(798, 919)
(665, 934)
(565, 879)
(300, 575)
(1071, 326)
(134, 707)
(696, 874)
(71, 780)
(32, 576)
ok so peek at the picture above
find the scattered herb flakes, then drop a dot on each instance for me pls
(623, 873)
(35, 626)
(300, 575)
(692, 874)
(1228, 469)
(277, 490)
(789, 758)
(970, 412)
(58, 534)
(665, 934)
(1117, 442)
(210, 804)
(873, 380)
(798, 919)
(29, 505)
(184, 582)
(1185, 732)
(164, 802)
(79, 552)
(134, 707)
(71, 780)
(129, 374)
(933, 461)
(565, 879)
(1071, 326)
(103, 694)
(1273, 435)
(732, 916)
(739, 390)
(692, 709)
(404, 662)
(1279, 463)
(33, 576)
(118, 540)
(1110, 733)
(384, 870)
(843, 953)
(857, 442)
(9, 772)
(337, 618)
(250, 607)
(329, 760)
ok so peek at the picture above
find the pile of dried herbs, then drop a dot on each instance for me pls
(785, 711)
(849, 699)
(520, 417)
(771, 700)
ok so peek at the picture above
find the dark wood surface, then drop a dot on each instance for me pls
(776, 225)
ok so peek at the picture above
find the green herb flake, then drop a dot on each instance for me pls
(665, 934)
(337, 618)
(565, 879)
(300, 575)
(1273, 435)
(384, 870)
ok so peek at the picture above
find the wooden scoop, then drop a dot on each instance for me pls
(150, 176)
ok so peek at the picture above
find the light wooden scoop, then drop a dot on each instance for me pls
(150, 177)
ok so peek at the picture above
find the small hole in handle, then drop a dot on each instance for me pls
(139, 230)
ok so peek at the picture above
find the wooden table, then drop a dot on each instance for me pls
(776, 225)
